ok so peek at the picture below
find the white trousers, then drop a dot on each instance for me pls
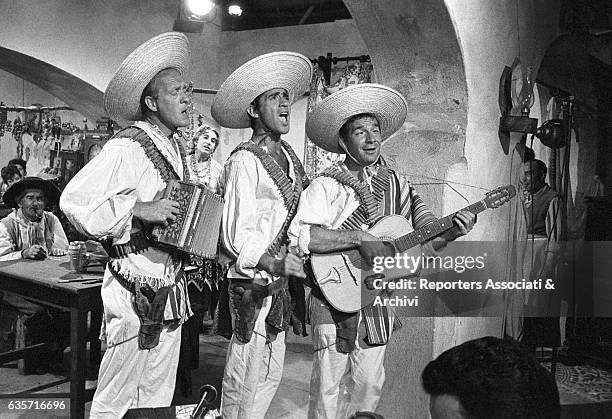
(253, 372)
(130, 377)
(342, 384)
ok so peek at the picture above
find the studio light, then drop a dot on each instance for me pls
(234, 10)
(198, 8)
(192, 15)
(553, 133)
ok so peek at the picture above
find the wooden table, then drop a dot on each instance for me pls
(39, 281)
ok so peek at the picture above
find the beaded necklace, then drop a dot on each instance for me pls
(201, 175)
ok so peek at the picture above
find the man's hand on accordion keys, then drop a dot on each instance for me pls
(161, 212)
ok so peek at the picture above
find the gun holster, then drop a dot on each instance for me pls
(246, 300)
(149, 306)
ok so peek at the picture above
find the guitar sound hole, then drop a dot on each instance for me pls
(369, 280)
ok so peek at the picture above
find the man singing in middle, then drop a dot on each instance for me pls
(262, 182)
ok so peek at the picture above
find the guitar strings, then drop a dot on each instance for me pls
(442, 182)
(358, 261)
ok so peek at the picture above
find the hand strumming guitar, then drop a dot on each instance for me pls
(371, 247)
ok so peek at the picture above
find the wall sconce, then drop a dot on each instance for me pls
(523, 123)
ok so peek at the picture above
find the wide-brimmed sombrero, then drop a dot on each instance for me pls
(327, 117)
(122, 96)
(287, 70)
(52, 193)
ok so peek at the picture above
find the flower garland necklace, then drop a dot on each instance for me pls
(203, 175)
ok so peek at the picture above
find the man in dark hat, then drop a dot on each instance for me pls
(30, 232)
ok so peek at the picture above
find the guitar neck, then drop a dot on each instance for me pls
(434, 229)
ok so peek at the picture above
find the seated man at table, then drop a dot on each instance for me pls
(30, 232)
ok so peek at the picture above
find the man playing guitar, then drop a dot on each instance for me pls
(333, 214)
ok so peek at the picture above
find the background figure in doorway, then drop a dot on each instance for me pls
(541, 205)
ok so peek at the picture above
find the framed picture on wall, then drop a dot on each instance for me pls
(72, 161)
(92, 145)
(65, 165)
(55, 163)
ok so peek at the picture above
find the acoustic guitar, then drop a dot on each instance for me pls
(347, 281)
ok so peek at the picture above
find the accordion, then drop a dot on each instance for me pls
(196, 229)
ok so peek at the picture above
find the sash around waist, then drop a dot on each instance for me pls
(155, 268)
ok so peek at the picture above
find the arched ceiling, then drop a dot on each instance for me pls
(74, 92)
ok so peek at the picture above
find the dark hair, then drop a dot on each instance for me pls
(493, 377)
(528, 155)
(255, 104)
(8, 172)
(18, 162)
(345, 127)
(538, 165)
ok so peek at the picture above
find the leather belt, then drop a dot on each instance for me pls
(138, 243)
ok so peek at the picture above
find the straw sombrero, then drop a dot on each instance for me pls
(52, 193)
(327, 117)
(287, 70)
(122, 96)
